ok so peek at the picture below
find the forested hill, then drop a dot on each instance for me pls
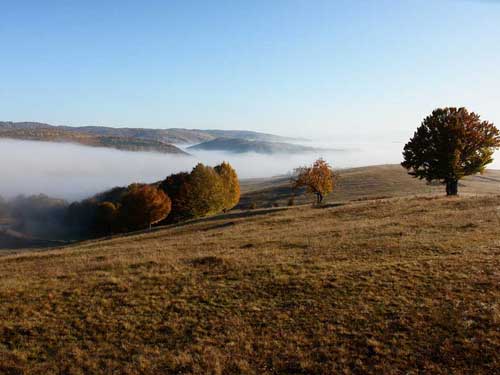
(237, 145)
(53, 134)
(172, 135)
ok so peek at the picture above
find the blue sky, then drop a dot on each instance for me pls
(367, 68)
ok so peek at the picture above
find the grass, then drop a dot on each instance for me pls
(403, 285)
(362, 183)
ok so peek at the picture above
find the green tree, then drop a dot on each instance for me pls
(318, 179)
(450, 144)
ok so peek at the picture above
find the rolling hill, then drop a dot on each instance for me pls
(116, 142)
(400, 285)
(172, 136)
(236, 145)
(381, 181)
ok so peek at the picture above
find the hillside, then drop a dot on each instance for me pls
(361, 183)
(115, 142)
(173, 135)
(236, 145)
(405, 285)
(248, 135)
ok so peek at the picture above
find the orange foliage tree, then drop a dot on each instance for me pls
(318, 179)
(450, 144)
(142, 206)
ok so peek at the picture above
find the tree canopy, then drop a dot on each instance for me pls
(450, 144)
(142, 206)
(230, 184)
(204, 191)
(318, 179)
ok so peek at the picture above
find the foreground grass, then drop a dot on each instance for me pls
(407, 285)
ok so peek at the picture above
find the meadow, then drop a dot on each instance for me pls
(406, 284)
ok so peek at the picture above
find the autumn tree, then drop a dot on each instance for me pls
(142, 206)
(106, 215)
(230, 184)
(177, 187)
(318, 179)
(450, 144)
(206, 192)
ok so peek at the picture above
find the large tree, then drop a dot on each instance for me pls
(318, 179)
(450, 144)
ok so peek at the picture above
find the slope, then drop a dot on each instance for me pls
(404, 285)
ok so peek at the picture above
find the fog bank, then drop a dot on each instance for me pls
(74, 172)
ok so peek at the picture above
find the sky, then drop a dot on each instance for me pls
(343, 70)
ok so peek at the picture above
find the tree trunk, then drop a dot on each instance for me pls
(451, 187)
(319, 198)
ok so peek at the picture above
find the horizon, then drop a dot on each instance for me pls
(347, 71)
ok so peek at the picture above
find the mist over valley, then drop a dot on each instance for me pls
(74, 172)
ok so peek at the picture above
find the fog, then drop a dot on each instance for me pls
(74, 172)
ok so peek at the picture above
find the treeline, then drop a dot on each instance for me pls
(202, 192)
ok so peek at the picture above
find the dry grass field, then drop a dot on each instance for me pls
(405, 285)
(380, 181)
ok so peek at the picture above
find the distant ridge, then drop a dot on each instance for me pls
(47, 133)
(171, 136)
(237, 145)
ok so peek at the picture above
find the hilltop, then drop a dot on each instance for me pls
(395, 285)
(42, 131)
(53, 134)
(237, 145)
(380, 181)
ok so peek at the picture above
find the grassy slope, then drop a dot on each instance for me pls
(404, 285)
(363, 183)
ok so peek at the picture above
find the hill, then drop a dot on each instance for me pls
(116, 142)
(381, 181)
(236, 145)
(248, 135)
(173, 135)
(402, 285)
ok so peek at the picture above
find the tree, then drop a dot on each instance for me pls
(177, 187)
(318, 179)
(205, 193)
(230, 184)
(450, 144)
(105, 217)
(142, 206)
